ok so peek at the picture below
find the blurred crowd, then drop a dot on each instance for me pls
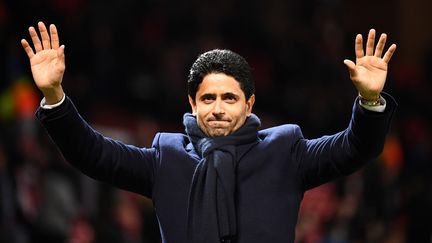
(126, 68)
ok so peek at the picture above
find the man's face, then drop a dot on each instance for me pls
(220, 105)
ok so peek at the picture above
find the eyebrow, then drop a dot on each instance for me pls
(230, 95)
(207, 96)
(224, 96)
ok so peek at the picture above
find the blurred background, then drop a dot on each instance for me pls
(127, 63)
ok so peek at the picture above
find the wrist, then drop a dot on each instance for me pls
(53, 96)
(373, 101)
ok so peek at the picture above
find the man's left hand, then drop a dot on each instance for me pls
(369, 72)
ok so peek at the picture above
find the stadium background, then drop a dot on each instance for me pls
(127, 63)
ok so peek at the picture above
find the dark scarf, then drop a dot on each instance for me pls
(211, 209)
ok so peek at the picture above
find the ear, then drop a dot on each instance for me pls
(192, 104)
(249, 105)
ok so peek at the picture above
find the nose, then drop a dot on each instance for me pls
(218, 108)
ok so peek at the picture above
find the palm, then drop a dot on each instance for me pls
(371, 73)
(370, 70)
(46, 69)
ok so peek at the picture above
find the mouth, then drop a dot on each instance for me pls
(218, 123)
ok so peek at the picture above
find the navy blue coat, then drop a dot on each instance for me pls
(271, 177)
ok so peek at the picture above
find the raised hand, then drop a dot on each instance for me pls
(47, 62)
(369, 72)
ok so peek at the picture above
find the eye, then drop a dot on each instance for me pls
(207, 99)
(230, 99)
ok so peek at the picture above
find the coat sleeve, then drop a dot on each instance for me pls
(99, 157)
(329, 157)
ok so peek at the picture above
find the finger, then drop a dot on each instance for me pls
(54, 37)
(60, 52)
(27, 48)
(388, 55)
(61, 55)
(351, 67)
(35, 39)
(370, 43)
(44, 35)
(380, 46)
(359, 46)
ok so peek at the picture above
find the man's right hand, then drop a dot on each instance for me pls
(48, 63)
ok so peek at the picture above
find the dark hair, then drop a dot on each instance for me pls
(221, 61)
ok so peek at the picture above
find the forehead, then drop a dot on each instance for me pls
(219, 83)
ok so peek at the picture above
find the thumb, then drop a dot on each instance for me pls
(351, 67)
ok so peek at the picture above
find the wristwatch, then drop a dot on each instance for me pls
(377, 102)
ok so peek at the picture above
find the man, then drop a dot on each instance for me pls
(224, 180)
